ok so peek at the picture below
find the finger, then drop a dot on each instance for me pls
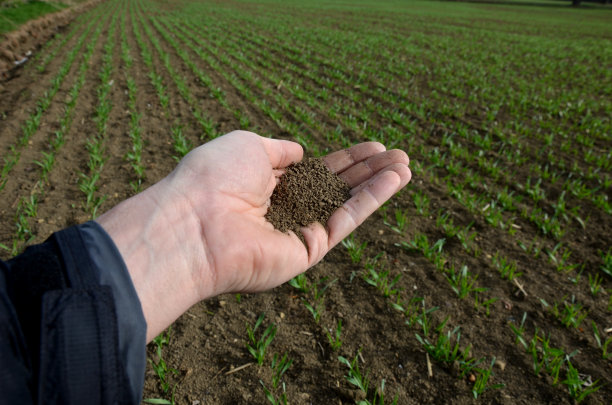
(364, 203)
(343, 159)
(282, 153)
(362, 171)
(316, 239)
(396, 167)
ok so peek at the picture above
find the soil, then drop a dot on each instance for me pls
(208, 344)
(307, 192)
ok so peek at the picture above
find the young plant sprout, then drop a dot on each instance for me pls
(257, 346)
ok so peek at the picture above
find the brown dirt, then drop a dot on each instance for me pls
(307, 192)
(209, 341)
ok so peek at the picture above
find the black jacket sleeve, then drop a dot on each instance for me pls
(72, 330)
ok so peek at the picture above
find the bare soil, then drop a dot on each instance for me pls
(208, 344)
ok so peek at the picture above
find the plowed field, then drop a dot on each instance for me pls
(487, 280)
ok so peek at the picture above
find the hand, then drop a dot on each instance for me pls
(201, 231)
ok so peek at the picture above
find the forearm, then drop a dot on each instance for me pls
(161, 248)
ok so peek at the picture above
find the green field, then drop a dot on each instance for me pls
(13, 14)
(488, 279)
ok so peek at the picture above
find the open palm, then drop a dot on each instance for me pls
(201, 231)
(229, 181)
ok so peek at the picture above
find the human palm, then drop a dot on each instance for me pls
(201, 231)
(229, 181)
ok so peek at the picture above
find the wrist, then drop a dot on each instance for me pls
(159, 238)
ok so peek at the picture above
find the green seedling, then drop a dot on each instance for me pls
(424, 320)
(571, 315)
(467, 238)
(468, 365)
(595, 284)
(401, 221)
(486, 303)
(507, 269)
(411, 309)
(300, 282)
(244, 121)
(354, 248)
(604, 347)
(398, 303)
(446, 347)
(281, 400)
(482, 378)
(494, 215)
(24, 232)
(562, 263)
(30, 206)
(159, 366)
(520, 332)
(462, 282)
(89, 187)
(334, 340)
(46, 164)
(379, 396)
(258, 346)
(378, 276)
(444, 221)
(313, 309)
(280, 365)
(316, 306)
(181, 145)
(355, 376)
(546, 358)
(421, 203)
(576, 279)
(578, 387)
(508, 200)
(534, 247)
(535, 191)
(95, 148)
(433, 252)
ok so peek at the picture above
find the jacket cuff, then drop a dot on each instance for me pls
(132, 327)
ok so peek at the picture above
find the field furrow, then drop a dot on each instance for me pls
(487, 280)
(61, 203)
(532, 221)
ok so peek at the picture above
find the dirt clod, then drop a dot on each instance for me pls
(308, 192)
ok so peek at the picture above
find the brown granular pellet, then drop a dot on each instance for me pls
(307, 192)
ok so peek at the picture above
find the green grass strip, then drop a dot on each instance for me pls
(11, 17)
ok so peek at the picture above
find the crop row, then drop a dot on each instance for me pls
(460, 280)
(316, 45)
(27, 208)
(489, 167)
(32, 123)
(328, 88)
(548, 223)
(493, 215)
